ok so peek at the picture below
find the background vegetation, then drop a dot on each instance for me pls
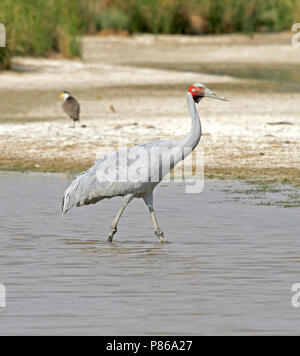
(41, 27)
(193, 16)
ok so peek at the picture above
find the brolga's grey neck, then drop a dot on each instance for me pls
(192, 140)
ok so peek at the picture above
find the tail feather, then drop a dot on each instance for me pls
(71, 197)
(82, 190)
(65, 205)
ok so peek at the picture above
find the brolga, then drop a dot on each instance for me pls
(136, 171)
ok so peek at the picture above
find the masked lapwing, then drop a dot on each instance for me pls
(71, 107)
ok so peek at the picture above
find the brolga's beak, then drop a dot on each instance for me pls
(211, 94)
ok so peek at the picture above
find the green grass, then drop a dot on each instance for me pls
(262, 193)
(41, 27)
(193, 16)
(4, 58)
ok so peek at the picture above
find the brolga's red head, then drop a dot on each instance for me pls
(200, 91)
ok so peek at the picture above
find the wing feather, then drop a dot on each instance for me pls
(72, 108)
(95, 184)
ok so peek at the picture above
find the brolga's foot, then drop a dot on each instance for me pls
(160, 235)
(111, 234)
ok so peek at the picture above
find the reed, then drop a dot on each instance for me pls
(41, 27)
(194, 16)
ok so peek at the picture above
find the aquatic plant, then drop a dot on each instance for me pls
(195, 16)
(41, 27)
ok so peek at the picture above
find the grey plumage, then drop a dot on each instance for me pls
(135, 172)
(88, 189)
(71, 106)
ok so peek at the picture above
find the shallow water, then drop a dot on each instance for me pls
(264, 76)
(228, 268)
(268, 72)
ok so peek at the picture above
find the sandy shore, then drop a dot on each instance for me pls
(126, 97)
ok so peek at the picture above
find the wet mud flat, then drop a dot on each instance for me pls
(133, 89)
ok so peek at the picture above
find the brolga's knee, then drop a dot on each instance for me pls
(113, 229)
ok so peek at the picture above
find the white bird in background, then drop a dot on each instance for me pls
(138, 164)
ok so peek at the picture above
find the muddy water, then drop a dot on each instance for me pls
(233, 257)
(267, 72)
(263, 77)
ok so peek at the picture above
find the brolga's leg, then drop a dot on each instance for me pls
(149, 202)
(114, 225)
